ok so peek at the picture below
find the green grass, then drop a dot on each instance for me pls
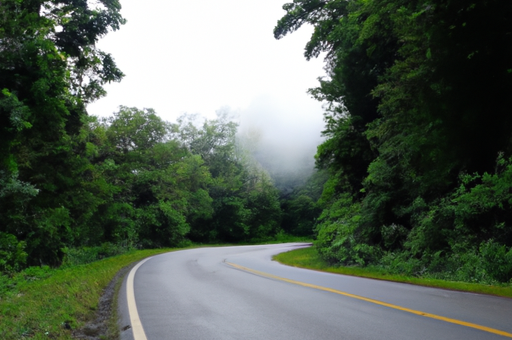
(45, 308)
(45, 303)
(309, 258)
(113, 326)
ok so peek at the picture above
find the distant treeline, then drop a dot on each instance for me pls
(418, 98)
(136, 181)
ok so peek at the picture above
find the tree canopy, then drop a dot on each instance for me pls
(69, 180)
(49, 69)
(414, 174)
(417, 98)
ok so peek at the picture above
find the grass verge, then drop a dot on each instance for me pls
(309, 258)
(51, 307)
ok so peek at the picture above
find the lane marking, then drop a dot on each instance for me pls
(137, 329)
(377, 302)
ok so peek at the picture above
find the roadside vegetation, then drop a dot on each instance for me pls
(309, 258)
(45, 303)
(413, 180)
(417, 148)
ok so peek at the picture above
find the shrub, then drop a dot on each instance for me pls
(497, 261)
(84, 255)
(12, 253)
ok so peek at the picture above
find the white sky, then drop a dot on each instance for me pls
(197, 56)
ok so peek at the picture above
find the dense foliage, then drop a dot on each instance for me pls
(145, 183)
(418, 133)
(415, 173)
(49, 70)
(300, 207)
(72, 184)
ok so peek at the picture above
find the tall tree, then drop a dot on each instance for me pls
(245, 202)
(416, 97)
(49, 69)
(161, 186)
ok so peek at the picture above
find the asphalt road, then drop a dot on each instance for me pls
(239, 293)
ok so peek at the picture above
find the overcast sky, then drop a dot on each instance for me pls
(197, 56)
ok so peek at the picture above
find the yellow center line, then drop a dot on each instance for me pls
(377, 302)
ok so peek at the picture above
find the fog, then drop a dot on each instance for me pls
(199, 56)
(283, 137)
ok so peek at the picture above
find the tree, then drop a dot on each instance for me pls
(161, 186)
(49, 69)
(416, 98)
(301, 209)
(245, 203)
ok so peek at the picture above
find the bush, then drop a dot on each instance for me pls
(84, 255)
(12, 253)
(401, 263)
(497, 261)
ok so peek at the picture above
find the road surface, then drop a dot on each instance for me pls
(240, 293)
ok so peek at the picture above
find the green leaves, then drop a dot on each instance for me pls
(19, 113)
(12, 254)
(244, 203)
(50, 67)
(407, 113)
(131, 129)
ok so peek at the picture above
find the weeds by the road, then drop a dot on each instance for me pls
(44, 303)
(309, 258)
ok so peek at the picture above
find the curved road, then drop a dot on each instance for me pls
(239, 293)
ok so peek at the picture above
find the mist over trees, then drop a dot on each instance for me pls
(283, 139)
(283, 143)
(417, 133)
(72, 181)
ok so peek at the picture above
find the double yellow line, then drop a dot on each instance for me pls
(377, 302)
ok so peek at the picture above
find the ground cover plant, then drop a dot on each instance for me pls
(309, 258)
(45, 303)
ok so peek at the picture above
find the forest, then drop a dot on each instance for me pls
(418, 134)
(72, 181)
(414, 174)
